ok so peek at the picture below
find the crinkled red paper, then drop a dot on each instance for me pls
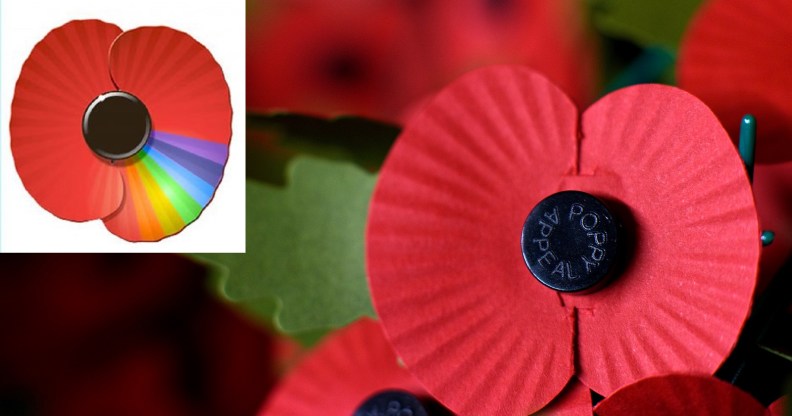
(736, 58)
(680, 394)
(344, 370)
(443, 242)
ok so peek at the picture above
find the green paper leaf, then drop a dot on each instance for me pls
(645, 22)
(274, 139)
(305, 249)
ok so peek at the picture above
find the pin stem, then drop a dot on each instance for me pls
(748, 143)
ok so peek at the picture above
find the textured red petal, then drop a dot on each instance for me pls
(736, 58)
(680, 394)
(340, 374)
(575, 400)
(446, 272)
(177, 79)
(343, 57)
(63, 74)
(686, 291)
(778, 407)
(750, 75)
(548, 35)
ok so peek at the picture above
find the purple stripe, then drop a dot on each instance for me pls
(216, 152)
(205, 169)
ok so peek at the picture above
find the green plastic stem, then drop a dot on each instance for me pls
(748, 143)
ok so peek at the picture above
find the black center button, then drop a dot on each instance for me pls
(570, 241)
(391, 403)
(116, 125)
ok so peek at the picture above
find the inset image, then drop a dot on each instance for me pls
(130, 127)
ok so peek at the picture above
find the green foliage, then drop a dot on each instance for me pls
(645, 22)
(274, 139)
(304, 264)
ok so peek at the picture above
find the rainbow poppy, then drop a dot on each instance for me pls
(129, 127)
(684, 394)
(736, 58)
(447, 254)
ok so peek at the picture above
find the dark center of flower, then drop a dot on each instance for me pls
(499, 8)
(391, 403)
(570, 241)
(116, 125)
(345, 67)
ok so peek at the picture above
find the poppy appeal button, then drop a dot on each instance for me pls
(391, 402)
(116, 125)
(570, 241)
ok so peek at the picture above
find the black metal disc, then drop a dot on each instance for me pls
(116, 125)
(570, 241)
(391, 402)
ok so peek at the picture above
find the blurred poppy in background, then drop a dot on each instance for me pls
(382, 59)
(125, 335)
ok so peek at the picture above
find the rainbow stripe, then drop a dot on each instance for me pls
(170, 181)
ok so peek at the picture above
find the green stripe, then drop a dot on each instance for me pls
(185, 205)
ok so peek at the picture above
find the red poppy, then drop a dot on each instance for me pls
(343, 371)
(736, 58)
(132, 334)
(130, 127)
(549, 36)
(349, 57)
(681, 394)
(778, 407)
(574, 400)
(383, 59)
(443, 242)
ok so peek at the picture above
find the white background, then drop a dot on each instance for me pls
(220, 26)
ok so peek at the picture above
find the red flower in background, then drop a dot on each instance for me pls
(684, 394)
(443, 242)
(736, 58)
(382, 59)
(348, 367)
(348, 57)
(549, 36)
(125, 335)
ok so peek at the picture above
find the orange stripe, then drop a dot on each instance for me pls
(144, 211)
(166, 214)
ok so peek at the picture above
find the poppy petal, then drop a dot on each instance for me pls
(350, 58)
(735, 57)
(575, 400)
(174, 177)
(686, 290)
(64, 73)
(680, 394)
(550, 36)
(777, 407)
(446, 273)
(749, 76)
(345, 369)
(177, 79)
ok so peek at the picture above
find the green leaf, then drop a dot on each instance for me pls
(645, 22)
(274, 139)
(304, 264)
